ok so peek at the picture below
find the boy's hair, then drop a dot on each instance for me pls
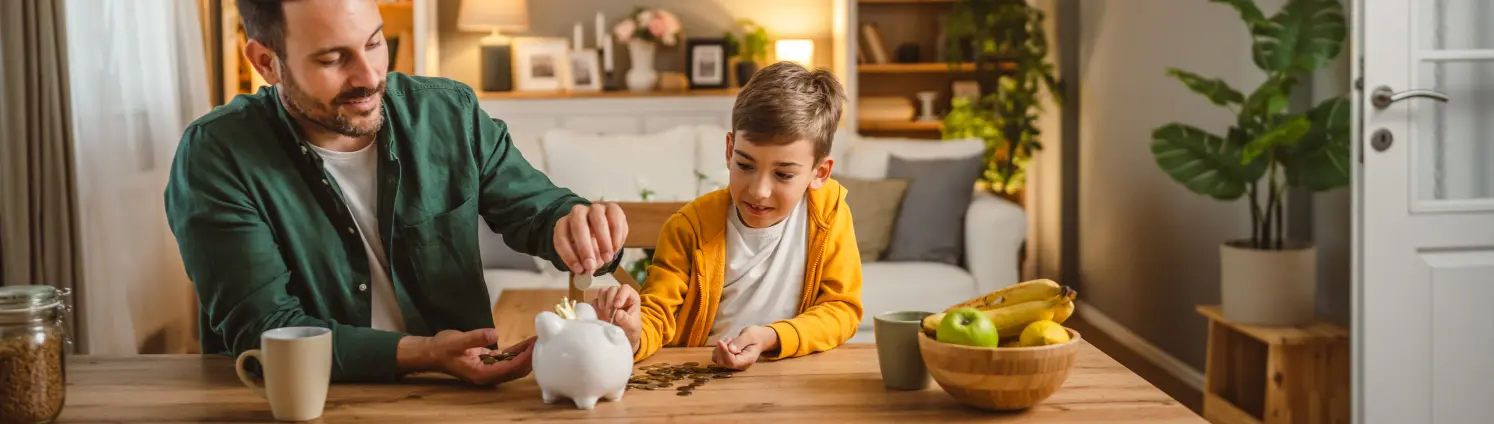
(785, 102)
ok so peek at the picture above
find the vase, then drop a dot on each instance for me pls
(1268, 287)
(745, 69)
(641, 76)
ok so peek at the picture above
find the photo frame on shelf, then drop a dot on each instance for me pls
(705, 61)
(586, 70)
(541, 64)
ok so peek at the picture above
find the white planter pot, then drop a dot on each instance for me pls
(1268, 287)
(641, 75)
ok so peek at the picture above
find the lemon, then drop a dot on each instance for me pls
(1045, 332)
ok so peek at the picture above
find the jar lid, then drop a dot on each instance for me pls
(20, 298)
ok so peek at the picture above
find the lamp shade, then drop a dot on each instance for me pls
(494, 15)
(795, 50)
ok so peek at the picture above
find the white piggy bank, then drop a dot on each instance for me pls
(582, 359)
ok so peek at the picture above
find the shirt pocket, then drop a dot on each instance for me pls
(442, 250)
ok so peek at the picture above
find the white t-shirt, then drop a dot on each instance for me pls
(764, 272)
(356, 173)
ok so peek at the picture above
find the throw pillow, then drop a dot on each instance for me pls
(497, 255)
(931, 221)
(874, 205)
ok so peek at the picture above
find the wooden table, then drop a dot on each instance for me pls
(842, 385)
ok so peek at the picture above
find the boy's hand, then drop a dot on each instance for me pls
(619, 305)
(741, 352)
(590, 236)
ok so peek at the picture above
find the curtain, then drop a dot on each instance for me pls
(38, 212)
(138, 79)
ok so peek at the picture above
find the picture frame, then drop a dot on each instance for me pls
(705, 63)
(586, 72)
(541, 64)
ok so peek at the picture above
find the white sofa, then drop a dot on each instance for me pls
(613, 167)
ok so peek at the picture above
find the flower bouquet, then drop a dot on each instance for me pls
(656, 26)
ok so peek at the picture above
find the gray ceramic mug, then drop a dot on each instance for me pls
(897, 350)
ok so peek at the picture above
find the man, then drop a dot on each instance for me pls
(348, 197)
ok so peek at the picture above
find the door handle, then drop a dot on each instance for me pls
(1383, 96)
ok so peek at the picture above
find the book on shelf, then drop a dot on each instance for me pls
(875, 46)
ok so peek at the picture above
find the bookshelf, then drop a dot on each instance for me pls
(896, 51)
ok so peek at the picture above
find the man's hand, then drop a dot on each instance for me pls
(741, 352)
(456, 353)
(619, 305)
(590, 236)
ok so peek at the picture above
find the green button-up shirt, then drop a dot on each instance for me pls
(268, 241)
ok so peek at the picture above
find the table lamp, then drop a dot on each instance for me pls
(795, 50)
(494, 17)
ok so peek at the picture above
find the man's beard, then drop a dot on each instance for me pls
(329, 116)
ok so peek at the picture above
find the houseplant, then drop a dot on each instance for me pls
(1009, 46)
(643, 31)
(750, 51)
(1267, 279)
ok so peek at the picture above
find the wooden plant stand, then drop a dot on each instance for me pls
(1259, 374)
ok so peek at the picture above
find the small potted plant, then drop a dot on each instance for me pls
(750, 51)
(1266, 279)
(643, 31)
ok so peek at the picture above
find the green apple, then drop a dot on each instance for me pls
(968, 326)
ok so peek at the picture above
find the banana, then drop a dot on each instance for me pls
(1025, 291)
(1010, 320)
(1064, 313)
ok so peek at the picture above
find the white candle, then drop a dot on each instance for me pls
(601, 29)
(607, 52)
(579, 43)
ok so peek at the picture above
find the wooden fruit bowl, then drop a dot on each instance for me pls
(1001, 378)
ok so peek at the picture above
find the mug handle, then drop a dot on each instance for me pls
(244, 375)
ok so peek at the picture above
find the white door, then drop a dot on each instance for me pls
(1424, 321)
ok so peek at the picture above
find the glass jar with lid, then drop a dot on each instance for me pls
(33, 340)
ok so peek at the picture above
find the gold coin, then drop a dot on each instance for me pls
(722, 375)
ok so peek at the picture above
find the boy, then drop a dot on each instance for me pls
(768, 267)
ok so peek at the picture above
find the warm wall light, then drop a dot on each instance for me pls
(796, 50)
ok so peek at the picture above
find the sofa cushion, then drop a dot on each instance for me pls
(874, 206)
(613, 167)
(912, 286)
(931, 220)
(710, 158)
(867, 157)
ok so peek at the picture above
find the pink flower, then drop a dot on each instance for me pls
(657, 27)
(624, 30)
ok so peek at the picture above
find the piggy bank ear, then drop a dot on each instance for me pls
(547, 324)
(584, 311)
(615, 335)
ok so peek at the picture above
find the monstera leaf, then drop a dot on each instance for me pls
(1302, 37)
(1320, 160)
(1283, 135)
(1205, 163)
(1215, 89)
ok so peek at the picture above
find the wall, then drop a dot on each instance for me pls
(700, 18)
(1148, 248)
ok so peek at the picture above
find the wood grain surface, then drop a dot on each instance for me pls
(842, 385)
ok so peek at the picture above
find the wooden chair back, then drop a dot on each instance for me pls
(645, 222)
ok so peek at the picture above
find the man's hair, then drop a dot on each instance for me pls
(264, 21)
(785, 102)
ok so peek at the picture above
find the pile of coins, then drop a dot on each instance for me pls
(663, 376)
(490, 358)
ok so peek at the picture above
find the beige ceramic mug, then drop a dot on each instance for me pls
(297, 365)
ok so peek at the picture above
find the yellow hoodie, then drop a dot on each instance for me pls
(683, 287)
